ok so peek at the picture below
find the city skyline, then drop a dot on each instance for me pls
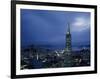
(43, 27)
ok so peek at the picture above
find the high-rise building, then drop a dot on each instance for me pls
(68, 47)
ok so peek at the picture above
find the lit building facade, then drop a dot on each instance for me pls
(68, 40)
(68, 49)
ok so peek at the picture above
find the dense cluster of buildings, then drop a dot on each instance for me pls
(37, 57)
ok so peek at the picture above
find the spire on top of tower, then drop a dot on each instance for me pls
(68, 28)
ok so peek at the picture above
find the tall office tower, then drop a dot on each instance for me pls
(68, 49)
(68, 40)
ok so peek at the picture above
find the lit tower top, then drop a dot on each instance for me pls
(68, 39)
(68, 28)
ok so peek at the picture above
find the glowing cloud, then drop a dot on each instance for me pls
(80, 24)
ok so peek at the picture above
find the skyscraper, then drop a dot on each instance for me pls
(68, 47)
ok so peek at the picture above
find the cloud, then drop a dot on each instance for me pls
(80, 24)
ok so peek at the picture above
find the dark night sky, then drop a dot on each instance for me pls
(43, 27)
